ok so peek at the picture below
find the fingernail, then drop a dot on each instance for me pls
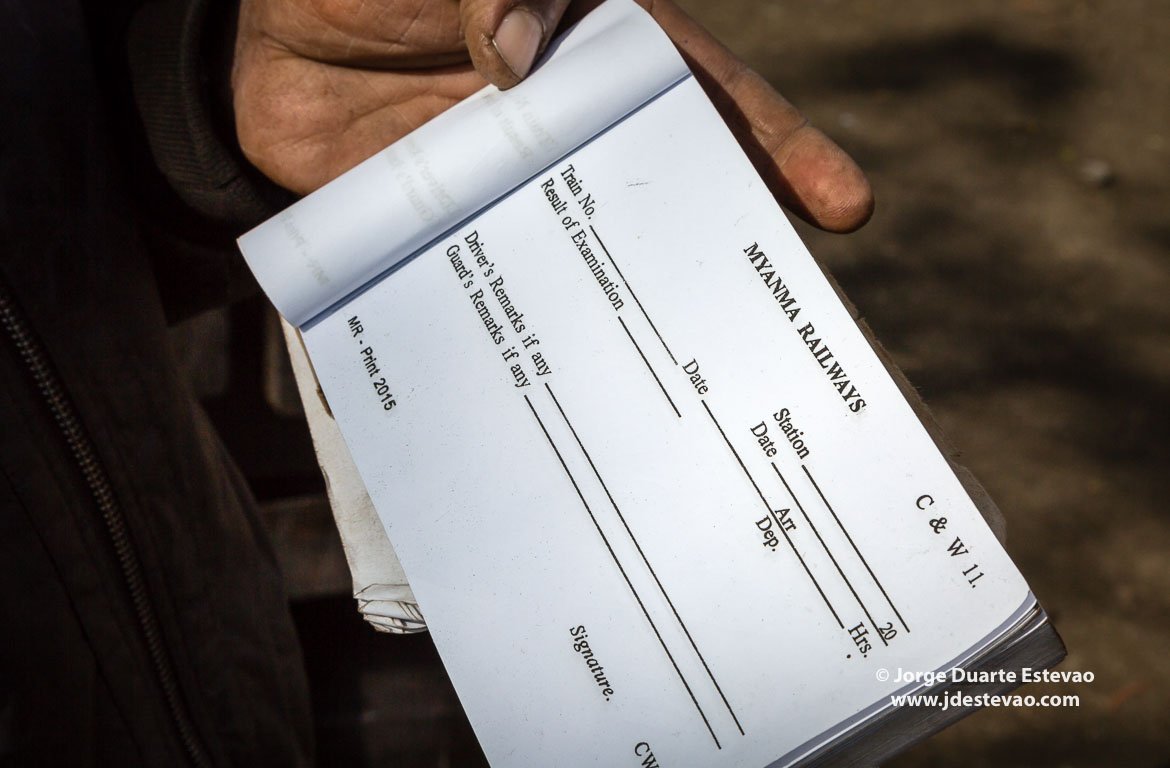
(517, 39)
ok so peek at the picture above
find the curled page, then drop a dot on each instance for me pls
(379, 583)
(361, 226)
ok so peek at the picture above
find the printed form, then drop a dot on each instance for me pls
(654, 491)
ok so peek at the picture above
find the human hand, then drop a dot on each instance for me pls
(320, 85)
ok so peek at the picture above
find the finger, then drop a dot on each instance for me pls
(807, 172)
(504, 37)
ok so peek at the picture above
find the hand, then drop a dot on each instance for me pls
(320, 85)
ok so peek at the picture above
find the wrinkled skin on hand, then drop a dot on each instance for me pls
(320, 85)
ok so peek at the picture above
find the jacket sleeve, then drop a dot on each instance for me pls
(180, 55)
(196, 191)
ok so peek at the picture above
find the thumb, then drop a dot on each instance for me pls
(504, 37)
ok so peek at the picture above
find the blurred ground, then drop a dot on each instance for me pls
(1016, 269)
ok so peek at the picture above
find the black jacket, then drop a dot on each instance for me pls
(142, 616)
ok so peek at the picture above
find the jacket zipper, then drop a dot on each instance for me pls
(36, 362)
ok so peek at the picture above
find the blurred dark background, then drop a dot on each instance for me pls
(1017, 269)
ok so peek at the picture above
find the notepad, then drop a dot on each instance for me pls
(660, 500)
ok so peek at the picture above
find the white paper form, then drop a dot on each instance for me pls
(654, 491)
